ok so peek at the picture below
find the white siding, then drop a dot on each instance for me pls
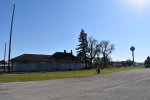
(45, 66)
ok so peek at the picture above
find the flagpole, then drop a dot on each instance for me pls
(5, 57)
(9, 53)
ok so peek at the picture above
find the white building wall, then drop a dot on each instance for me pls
(45, 66)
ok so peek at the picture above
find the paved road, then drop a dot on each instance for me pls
(126, 85)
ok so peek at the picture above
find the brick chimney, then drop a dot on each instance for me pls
(64, 51)
(71, 52)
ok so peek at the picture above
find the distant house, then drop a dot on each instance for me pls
(2, 62)
(59, 61)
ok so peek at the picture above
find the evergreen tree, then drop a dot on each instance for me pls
(147, 62)
(82, 48)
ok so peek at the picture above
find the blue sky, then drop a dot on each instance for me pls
(47, 26)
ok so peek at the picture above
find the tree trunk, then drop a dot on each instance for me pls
(91, 55)
(104, 61)
(85, 60)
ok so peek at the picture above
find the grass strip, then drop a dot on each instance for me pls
(22, 77)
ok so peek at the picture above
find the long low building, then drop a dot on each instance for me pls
(59, 61)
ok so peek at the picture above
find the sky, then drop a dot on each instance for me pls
(49, 26)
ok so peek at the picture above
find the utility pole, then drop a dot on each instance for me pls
(5, 57)
(9, 53)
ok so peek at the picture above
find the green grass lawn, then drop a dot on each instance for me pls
(18, 77)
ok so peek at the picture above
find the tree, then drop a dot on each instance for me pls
(97, 62)
(147, 62)
(93, 49)
(106, 49)
(132, 48)
(82, 48)
(128, 62)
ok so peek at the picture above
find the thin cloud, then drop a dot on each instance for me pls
(139, 5)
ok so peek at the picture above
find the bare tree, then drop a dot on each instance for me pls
(106, 49)
(93, 49)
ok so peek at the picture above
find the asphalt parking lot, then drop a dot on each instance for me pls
(126, 85)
